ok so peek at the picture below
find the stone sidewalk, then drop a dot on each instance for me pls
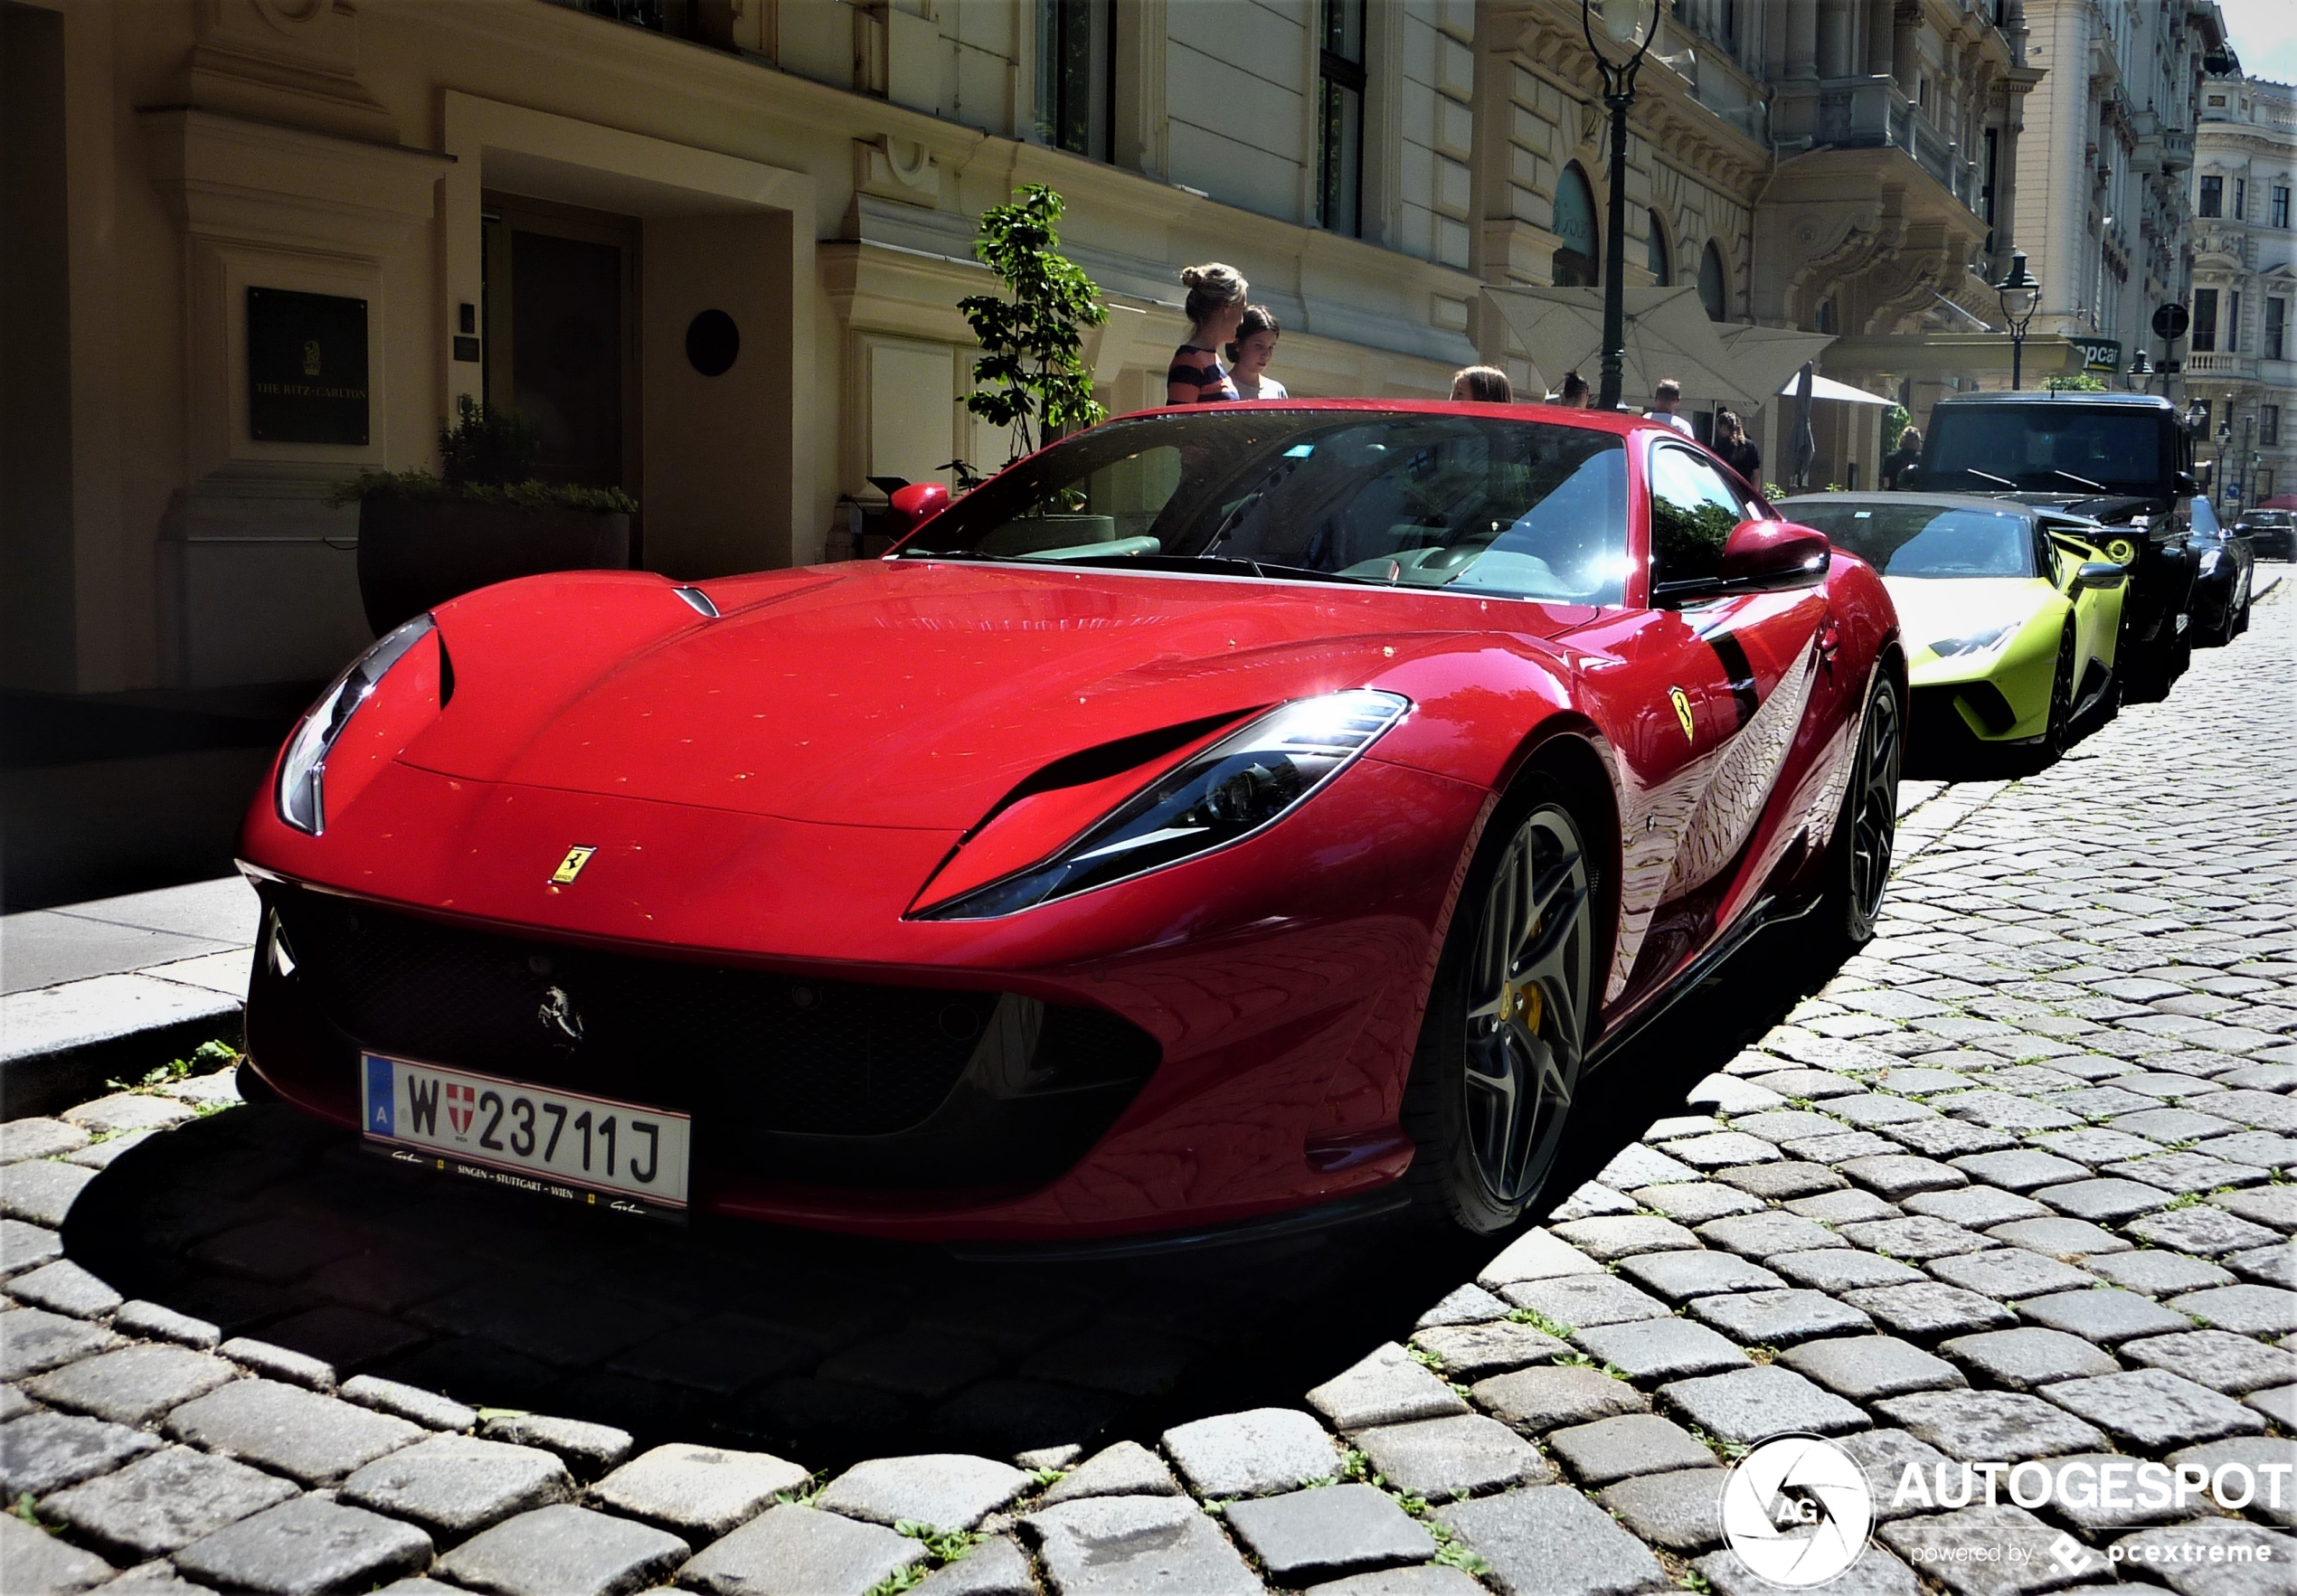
(2012, 1186)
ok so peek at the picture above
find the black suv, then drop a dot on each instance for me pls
(2124, 460)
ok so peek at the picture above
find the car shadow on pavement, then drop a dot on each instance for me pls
(823, 1348)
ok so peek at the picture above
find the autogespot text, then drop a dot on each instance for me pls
(2110, 1485)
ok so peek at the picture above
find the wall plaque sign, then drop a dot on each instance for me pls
(307, 367)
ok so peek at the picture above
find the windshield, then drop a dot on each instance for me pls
(1472, 504)
(1922, 540)
(2045, 447)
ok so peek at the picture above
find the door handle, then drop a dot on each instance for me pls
(1829, 643)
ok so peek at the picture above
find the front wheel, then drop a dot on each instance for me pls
(1497, 1063)
(1865, 834)
(2059, 735)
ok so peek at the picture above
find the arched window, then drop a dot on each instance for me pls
(1575, 263)
(1713, 288)
(1656, 252)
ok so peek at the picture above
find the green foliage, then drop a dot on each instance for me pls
(1539, 1321)
(206, 1059)
(487, 455)
(943, 1545)
(1894, 420)
(1774, 490)
(23, 1508)
(2074, 383)
(1032, 367)
(1694, 1581)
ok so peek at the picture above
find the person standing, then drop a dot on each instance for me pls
(1482, 384)
(1249, 354)
(1737, 450)
(1574, 395)
(1665, 399)
(1908, 453)
(1215, 309)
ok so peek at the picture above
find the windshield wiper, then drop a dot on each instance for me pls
(2085, 481)
(1227, 562)
(1989, 477)
(954, 555)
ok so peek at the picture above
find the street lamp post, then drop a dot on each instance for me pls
(2020, 294)
(2225, 436)
(2141, 369)
(1621, 22)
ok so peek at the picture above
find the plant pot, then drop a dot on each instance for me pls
(417, 554)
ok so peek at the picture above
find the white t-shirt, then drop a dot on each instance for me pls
(1270, 388)
(1677, 423)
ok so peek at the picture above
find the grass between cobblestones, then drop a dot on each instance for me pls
(2014, 1183)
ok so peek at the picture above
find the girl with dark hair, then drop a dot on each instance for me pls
(1482, 384)
(1248, 357)
(1216, 308)
(1575, 393)
(1737, 450)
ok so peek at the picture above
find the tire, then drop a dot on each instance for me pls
(1857, 871)
(2058, 736)
(1508, 1019)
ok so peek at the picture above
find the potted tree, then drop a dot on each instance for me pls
(1032, 377)
(485, 518)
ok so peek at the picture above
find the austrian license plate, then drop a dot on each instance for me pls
(593, 1150)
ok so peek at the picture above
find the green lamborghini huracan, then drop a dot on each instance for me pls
(2009, 612)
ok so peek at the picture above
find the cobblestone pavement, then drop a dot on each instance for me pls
(2013, 1185)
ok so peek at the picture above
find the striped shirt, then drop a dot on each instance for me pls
(1207, 379)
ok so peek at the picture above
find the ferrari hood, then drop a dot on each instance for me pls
(911, 695)
(1932, 609)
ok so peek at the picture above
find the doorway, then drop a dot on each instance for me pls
(561, 294)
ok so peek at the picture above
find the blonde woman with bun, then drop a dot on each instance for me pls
(1215, 309)
(1249, 355)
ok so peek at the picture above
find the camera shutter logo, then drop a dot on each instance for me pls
(1797, 1511)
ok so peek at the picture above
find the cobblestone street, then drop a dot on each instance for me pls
(2012, 1185)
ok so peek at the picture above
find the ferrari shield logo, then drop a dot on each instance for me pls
(462, 1106)
(570, 866)
(1682, 703)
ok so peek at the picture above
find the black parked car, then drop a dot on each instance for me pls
(2272, 534)
(2224, 565)
(2123, 459)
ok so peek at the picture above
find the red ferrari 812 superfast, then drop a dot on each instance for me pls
(1221, 813)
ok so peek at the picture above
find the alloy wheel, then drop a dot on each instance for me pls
(1527, 1004)
(2059, 734)
(1875, 825)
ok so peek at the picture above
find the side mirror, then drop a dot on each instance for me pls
(2188, 484)
(1761, 557)
(1765, 556)
(916, 505)
(2099, 573)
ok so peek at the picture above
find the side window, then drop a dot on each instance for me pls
(1693, 512)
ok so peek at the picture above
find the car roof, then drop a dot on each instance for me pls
(2152, 401)
(1622, 422)
(1942, 501)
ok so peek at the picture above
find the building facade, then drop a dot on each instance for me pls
(540, 204)
(2108, 150)
(2243, 360)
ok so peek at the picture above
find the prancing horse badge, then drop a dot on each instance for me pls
(1675, 695)
(576, 857)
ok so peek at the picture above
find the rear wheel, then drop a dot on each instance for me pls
(1865, 834)
(2059, 735)
(1497, 1063)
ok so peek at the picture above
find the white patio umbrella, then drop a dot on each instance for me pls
(1766, 359)
(1668, 336)
(1828, 388)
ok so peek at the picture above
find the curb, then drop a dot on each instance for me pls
(56, 1077)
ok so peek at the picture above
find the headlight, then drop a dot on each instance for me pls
(1979, 642)
(303, 768)
(1246, 781)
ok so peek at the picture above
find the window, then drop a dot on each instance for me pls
(2233, 322)
(1989, 171)
(1340, 119)
(2240, 199)
(1714, 287)
(1693, 514)
(2276, 319)
(1576, 253)
(1396, 499)
(2266, 483)
(1075, 97)
(2205, 320)
(1921, 540)
(2213, 197)
(2278, 207)
(1655, 252)
(2269, 423)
